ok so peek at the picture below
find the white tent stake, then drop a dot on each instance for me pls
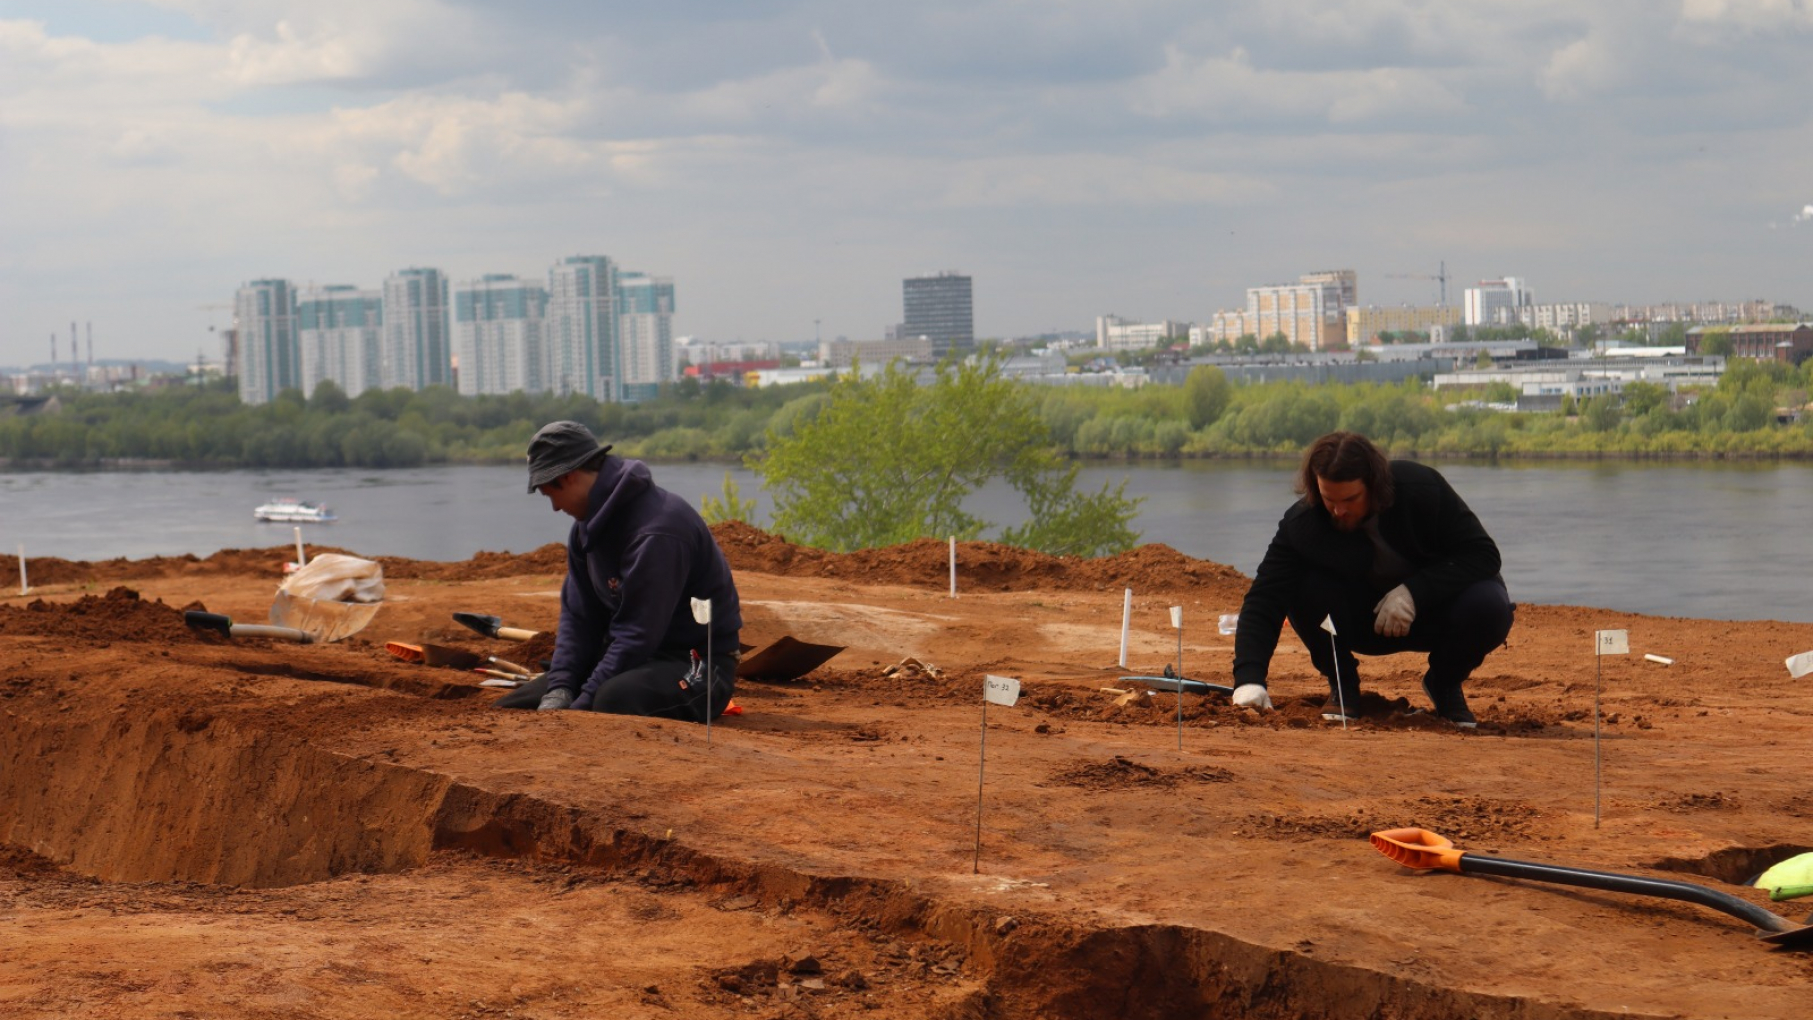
(301, 560)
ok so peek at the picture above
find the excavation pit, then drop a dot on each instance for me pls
(248, 828)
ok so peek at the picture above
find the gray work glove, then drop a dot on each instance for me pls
(555, 700)
(1394, 613)
(1252, 696)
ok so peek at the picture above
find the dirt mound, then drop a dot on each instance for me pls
(47, 570)
(120, 615)
(987, 566)
(1119, 772)
(485, 566)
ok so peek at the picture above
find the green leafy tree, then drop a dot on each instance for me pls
(731, 506)
(1716, 340)
(1207, 394)
(886, 460)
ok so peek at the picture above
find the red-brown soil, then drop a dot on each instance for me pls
(194, 826)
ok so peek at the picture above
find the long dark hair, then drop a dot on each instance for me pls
(1345, 457)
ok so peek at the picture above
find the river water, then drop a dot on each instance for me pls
(1721, 541)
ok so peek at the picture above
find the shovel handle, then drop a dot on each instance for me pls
(1423, 850)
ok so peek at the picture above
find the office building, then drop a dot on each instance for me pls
(498, 335)
(582, 347)
(340, 331)
(1497, 302)
(418, 350)
(1113, 333)
(940, 308)
(269, 358)
(645, 330)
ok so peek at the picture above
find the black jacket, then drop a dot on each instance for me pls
(1428, 524)
(633, 567)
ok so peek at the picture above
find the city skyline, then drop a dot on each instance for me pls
(1151, 160)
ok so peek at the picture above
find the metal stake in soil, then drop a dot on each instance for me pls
(1002, 691)
(1177, 624)
(1605, 642)
(1328, 624)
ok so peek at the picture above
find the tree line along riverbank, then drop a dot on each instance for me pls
(1751, 413)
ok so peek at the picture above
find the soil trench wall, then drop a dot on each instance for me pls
(183, 796)
(186, 796)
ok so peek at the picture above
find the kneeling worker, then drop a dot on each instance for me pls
(637, 555)
(1390, 552)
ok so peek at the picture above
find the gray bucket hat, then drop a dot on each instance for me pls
(560, 447)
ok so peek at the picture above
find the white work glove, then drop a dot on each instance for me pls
(1252, 696)
(1394, 613)
(555, 700)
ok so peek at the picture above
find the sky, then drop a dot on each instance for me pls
(789, 162)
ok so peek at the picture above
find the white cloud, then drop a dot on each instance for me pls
(1230, 89)
(1748, 15)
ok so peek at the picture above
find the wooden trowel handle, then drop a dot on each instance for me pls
(516, 633)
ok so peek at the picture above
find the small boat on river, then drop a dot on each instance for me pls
(297, 511)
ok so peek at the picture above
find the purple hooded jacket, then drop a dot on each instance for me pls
(633, 568)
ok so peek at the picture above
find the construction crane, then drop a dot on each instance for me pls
(1441, 276)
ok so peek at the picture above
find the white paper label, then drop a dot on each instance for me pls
(1000, 690)
(1328, 624)
(1176, 617)
(1229, 623)
(701, 610)
(1614, 642)
(1800, 665)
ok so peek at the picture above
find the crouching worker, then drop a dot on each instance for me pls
(637, 555)
(1394, 557)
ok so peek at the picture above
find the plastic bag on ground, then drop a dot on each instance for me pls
(332, 597)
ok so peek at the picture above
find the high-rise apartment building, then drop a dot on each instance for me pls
(941, 309)
(417, 337)
(269, 358)
(582, 329)
(1311, 313)
(1497, 302)
(339, 329)
(498, 334)
(646, 333)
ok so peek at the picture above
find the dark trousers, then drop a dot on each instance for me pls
(1458, 635)
(651, 689)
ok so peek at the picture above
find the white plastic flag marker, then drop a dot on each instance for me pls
(953, 566)
(1229, 623)
(1126, 622)
(1605, 642)
(998, 690)
(1177, 625)
(1798, 665)
(701, 613)
(1328, 624)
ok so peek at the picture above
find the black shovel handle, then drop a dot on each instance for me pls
(1475, 864)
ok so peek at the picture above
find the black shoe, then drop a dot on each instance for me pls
(1335, 709)
(1451, 705)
